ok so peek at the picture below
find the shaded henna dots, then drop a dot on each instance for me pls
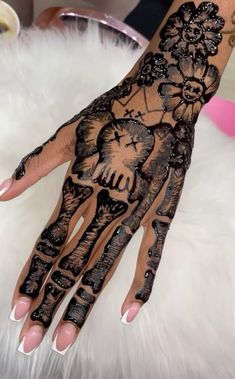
(107, 210)
(146, 290)
(155, 252)
(33, 281)
(44, 313)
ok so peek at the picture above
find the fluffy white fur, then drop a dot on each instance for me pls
(186, 330)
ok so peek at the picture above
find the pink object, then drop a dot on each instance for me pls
(222, 112)
(31, 340)
(20, 309)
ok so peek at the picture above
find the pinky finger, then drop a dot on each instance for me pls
(147, 264)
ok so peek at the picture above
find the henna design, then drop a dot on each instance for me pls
(47, 249)
(62, 280)
(231, 32)
(152, 67)
(145, 292)
(73, 196)
(192, 32)
(95, 277)
(155, 252)
(107, 210)
(33, 281)
(20, 170)
(77, 310)
(44, 313)
(192, 84)
(123, 145)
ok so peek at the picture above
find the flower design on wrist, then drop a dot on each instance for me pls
(152, 67)
(191, 84)
(191, 31)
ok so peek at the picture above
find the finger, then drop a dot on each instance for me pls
(95, 278)
(70, 207)
(40, 162)
(152, 245)
(68, 268)
(147, 264)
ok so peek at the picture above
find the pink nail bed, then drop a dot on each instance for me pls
(64, 339)
(131, 313)
(31, 340)
(20, 309)
(5, 186)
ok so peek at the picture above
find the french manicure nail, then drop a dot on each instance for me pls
(4, 187)
(131, 313)
(64, 338)
(31, 340)
(20, 309)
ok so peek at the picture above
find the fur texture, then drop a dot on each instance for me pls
(187, 328)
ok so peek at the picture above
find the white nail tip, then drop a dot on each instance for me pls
(21, 349)
(124, 317)
(2, 191)
(12, 315)
(53, 347)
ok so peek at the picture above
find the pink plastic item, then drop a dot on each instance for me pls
(222, 112)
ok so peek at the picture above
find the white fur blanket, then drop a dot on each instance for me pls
(187, 329)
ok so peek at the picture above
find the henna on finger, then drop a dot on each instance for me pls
(107, 210)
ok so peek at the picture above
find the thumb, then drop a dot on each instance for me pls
(37, 164)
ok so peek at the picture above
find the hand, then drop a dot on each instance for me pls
(129, 152)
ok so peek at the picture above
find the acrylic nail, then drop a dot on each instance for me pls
(4, 187)
(131, 313)
(64, 338)
(20, 309)
(31, 340)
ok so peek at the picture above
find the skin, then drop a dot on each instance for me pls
(129, 152)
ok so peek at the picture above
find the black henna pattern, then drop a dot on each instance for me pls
(231, 32)
(108, 209)
(33, 281)
(144, 163)
(192, 31)
(44, 313)
(191, 84)
(73, 196)
(95, 277)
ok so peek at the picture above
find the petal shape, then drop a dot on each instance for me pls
(186, 66)
(210, 46)
(188, 114)
(214, 24)
(214, 37)
(169, 89)
(174, 75)
(199, 69)
(212, 89)
(196, 109)
(169, 42)
(171, 103)
(211, 76)
(205, 10)
(179, 112)
(186, 11)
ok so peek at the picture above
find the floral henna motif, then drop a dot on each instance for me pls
(192, 32)
(192, 84)
(152, 67)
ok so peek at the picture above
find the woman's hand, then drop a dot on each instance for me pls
(129, 151)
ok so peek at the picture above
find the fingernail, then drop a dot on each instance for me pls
(31, 340)
(64, 339)
(131, 313)
(5, 186)
(20, 309)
